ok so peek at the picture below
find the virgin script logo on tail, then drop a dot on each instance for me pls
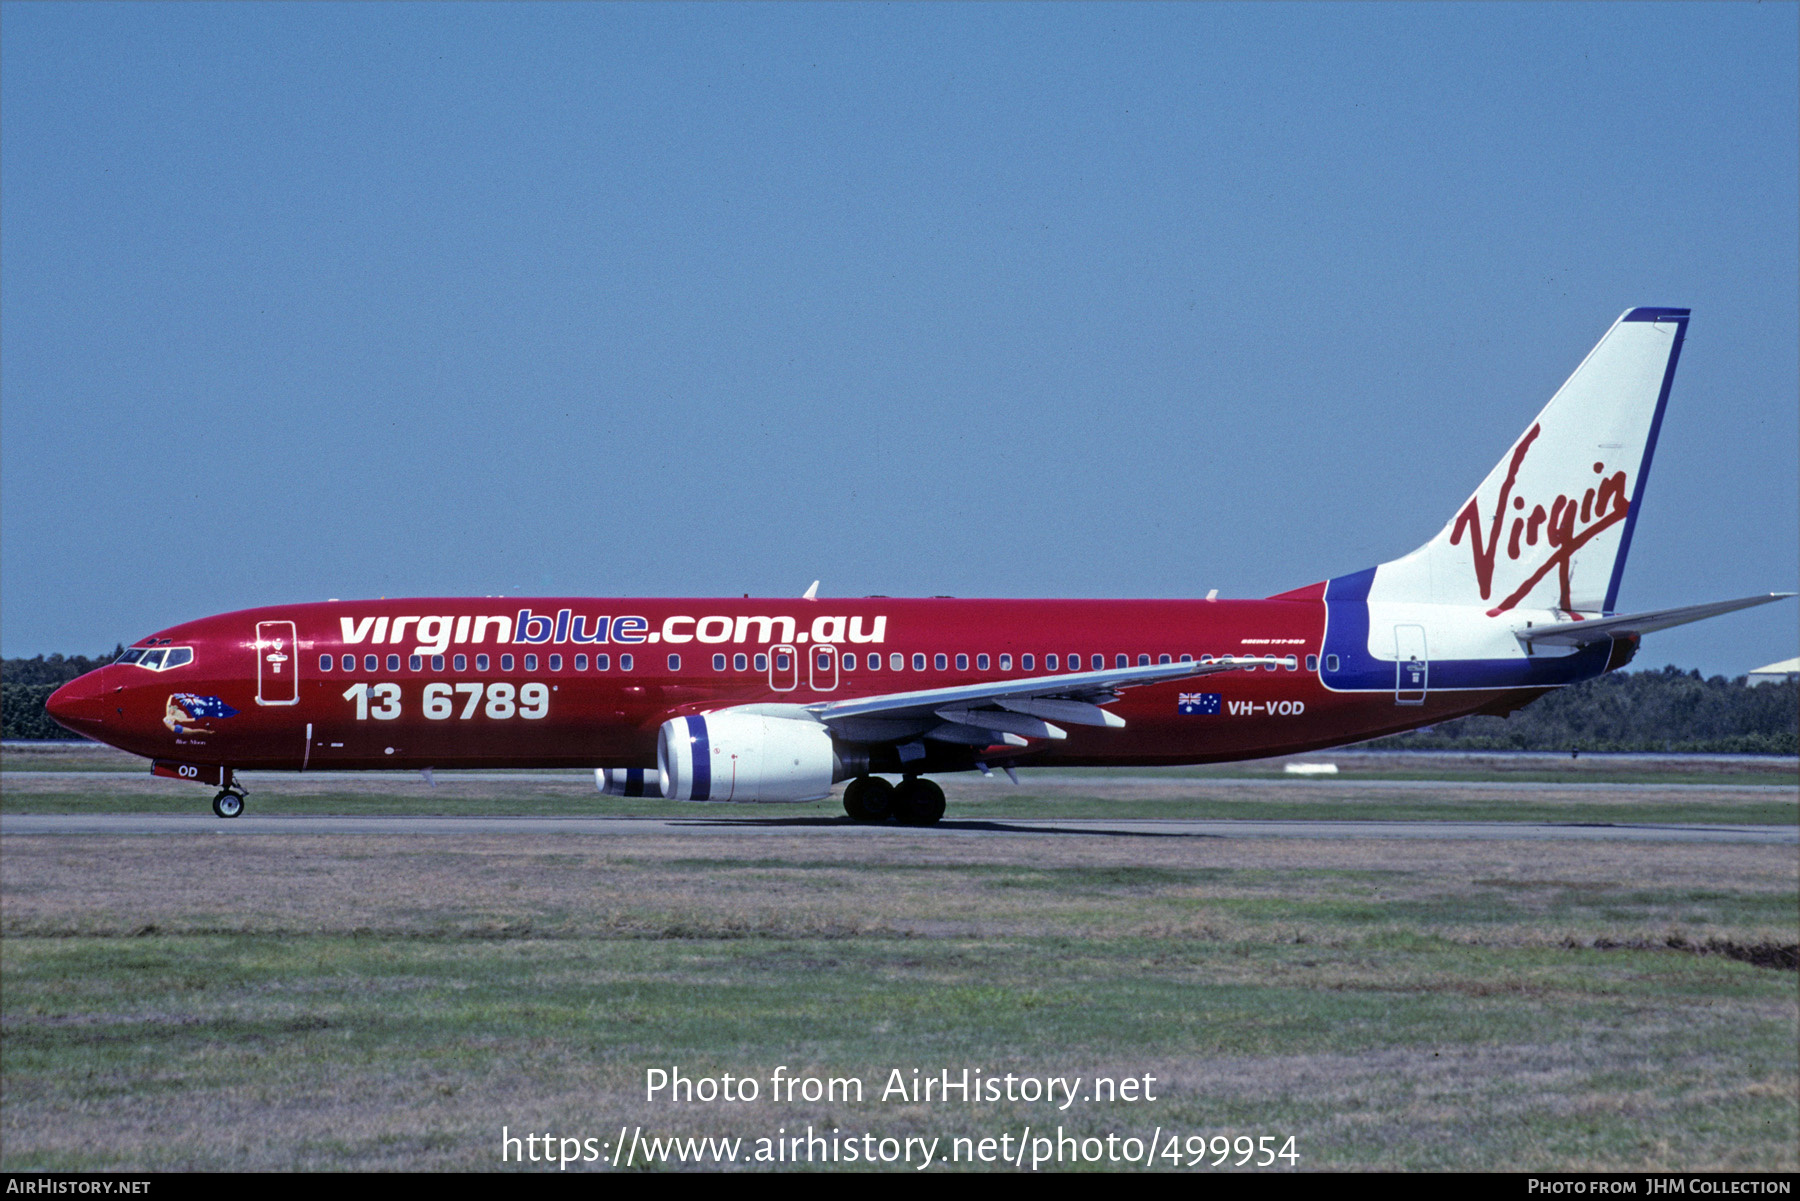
(1599, 508)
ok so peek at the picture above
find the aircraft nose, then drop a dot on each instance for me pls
(80, 705)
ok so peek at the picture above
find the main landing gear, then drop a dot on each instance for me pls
(916, 801)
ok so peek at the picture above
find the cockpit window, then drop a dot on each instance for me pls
(159, 658)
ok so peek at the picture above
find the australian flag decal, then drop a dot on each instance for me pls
(203, 706)
(1198, 704)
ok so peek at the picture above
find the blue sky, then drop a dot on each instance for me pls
(302, 301)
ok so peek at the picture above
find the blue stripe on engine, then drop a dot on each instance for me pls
(634, 781)
(702, 759)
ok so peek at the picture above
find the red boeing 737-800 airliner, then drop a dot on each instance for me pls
(758, 700)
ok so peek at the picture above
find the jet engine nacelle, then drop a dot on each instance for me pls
(628, 781)
(745, 756)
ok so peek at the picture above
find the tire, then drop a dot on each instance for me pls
(918, 802)
(869, 799)
(228, 804)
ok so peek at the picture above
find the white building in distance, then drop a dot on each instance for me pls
(1775, 673)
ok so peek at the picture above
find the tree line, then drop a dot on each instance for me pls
(25, 684)
(1667, 710)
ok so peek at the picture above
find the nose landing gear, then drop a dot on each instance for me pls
(230, 800)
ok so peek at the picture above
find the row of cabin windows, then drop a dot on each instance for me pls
(848, 661)
(482, 662)
(941, 662)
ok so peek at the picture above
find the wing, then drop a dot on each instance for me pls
(1002, 712)
(1598, 629)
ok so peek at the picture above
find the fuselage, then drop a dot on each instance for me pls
(571, 682)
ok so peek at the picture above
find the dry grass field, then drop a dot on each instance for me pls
(373, 1001)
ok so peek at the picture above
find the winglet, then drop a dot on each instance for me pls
(811, 594)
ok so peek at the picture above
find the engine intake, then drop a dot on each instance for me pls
(737, 756)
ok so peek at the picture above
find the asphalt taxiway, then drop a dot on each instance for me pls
(52, 824)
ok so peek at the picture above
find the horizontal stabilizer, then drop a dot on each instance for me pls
(1598, 629)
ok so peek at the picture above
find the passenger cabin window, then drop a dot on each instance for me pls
(461, 662)
(1121, 660)
(1144, 660)
(530, 662)
(896, 662)
(1331, 662)
(415, 662)
(1312, 662)
(1162, 658)
(1005, 662)
(962, 662)
(481, 662)
(1025, 661)
(625, 663)
(325, 663)
(1049, 662)
(762, 663)
(739, 662)
(1291, 663)
(940, 662)
(506, 662)
(555, 662)
(1100, 662)
(580, 662)
(674, 662)
(437, 662)
(981, 662)
(849, 663)
(918, 662)
(371, 663)
(602, 662)
(718, 662)
(1187, 658)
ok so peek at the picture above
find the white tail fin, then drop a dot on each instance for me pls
(1550, 526)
